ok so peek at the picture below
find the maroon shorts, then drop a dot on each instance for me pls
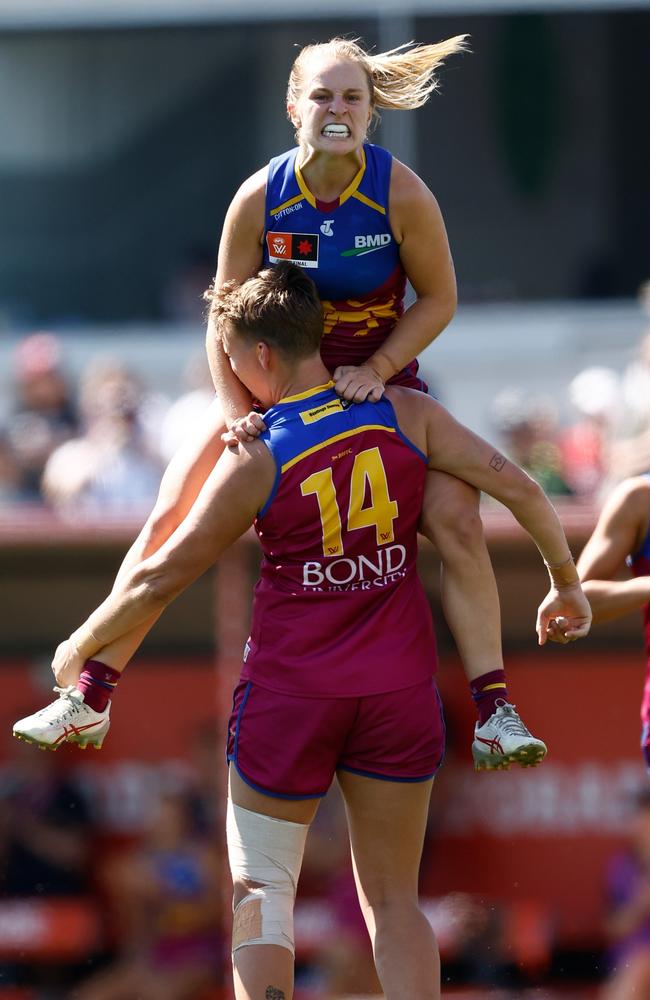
(291, 747)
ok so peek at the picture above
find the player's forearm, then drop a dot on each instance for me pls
(132, 608)
(538, 517)
(612, 599)
(224, 509)
(418, 327)
(235, 399)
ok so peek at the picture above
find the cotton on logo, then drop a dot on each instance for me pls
(326, 227)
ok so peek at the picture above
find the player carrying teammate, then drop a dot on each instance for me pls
(361, 223)
(338, 674)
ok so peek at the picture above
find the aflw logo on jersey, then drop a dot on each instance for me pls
(297, 248)
(368, 244)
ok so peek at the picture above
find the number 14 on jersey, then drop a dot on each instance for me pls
(368, 474)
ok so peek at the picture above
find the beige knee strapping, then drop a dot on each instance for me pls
(269, 852)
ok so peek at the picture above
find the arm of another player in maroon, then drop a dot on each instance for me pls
(419, 229)
(621, 528)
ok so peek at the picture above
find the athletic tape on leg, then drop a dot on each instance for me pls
(267, 851)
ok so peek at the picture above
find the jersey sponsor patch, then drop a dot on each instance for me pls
(318, 412)
(297, 248)
(368, 244)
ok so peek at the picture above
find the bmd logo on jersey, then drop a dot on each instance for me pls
(368, 244)
(297, 248)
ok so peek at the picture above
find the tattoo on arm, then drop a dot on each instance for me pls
(272, 993)
(497, 462)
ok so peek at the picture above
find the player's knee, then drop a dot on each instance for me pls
(241, 888)
(385, 891)
(389, 907)
(454, 525)
(265, 859)
(448, 501)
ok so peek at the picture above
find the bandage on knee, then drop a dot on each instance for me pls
(267, 852)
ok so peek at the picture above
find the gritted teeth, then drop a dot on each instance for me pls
(336, 130)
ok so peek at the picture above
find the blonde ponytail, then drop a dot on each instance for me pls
(402, 78)
(405, 77)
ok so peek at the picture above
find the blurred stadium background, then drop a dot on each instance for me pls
(125, 128)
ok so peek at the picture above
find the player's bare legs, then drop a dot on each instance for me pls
(264, 971)
(179, 488)
(181, 484)
(470, 599)
(387, 821)
(81, 712)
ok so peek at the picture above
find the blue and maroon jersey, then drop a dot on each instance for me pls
(339, 609)
(639, 563)
(350, 252)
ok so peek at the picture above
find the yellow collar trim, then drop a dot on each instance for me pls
(307, 394)
(349, 191)
(369, 202)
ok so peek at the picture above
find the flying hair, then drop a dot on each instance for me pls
(402, 78)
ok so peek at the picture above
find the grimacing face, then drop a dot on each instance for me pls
(333, 111)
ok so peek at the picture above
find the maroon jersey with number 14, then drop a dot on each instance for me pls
(339, 610)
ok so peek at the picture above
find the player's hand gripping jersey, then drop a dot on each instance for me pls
(339, 537)
(350, 252)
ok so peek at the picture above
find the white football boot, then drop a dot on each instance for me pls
(504, 740)
(68, 719)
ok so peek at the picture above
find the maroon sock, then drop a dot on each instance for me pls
(97, 683)
(485, 691)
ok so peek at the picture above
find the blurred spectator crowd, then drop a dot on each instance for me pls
(88, 914)
(607, 439)
(96, 448)
(91, 913)
(99, 447)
